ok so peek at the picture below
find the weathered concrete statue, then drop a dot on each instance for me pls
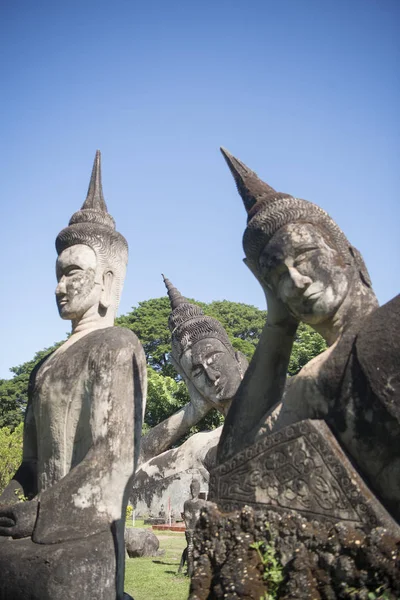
(204, 357)
(191, 513)
(311, 273)
(320, 462)
(82, 429)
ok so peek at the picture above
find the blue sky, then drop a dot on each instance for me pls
(305, 92)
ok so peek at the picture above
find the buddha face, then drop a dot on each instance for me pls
(79, 282)
(212, 369)
(305, 272)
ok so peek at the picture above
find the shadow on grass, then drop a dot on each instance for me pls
(161, 562)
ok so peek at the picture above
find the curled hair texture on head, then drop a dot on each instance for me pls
(110, 247)
(188, 324)
(199, 328)
(269, 210)
(268, 217)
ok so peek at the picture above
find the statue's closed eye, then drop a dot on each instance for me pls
(197, 370)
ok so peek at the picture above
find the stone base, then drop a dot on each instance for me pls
(317, 561)
(301, 469)
(78, 569)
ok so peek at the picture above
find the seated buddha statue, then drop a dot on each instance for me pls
(311, 273)
(82, 429)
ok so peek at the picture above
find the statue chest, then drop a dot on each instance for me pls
(61, 404)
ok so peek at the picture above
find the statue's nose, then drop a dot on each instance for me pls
(60, 289)
(301, 282)
(212, 373)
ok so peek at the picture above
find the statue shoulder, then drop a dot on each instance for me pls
(117, 338)
(378, 353)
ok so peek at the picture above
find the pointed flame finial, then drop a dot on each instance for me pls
(95, 198)
(249, 185)
(175, 296)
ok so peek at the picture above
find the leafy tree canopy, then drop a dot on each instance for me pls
(166, 391)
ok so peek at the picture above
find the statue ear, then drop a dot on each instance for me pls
(243, 362)
(106, 295)
(360, 265)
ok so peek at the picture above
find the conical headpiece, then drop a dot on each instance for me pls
(94, 209)
(175, 296)
(272, 210)
(251, 188)
(188, 323)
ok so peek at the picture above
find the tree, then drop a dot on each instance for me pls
(14, 392)
(166, 391)
(10, 453)
(307, 345)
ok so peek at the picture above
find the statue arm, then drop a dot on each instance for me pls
(162, 436)
(92, 496)
(261, 389)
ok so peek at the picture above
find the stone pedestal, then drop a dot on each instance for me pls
(303, 470)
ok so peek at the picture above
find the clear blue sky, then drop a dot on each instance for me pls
(306, 92)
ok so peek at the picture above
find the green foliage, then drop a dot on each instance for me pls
(165, 396)
(273, 570)
(242, 322)
(129, 513)
(307, 345)
(149, 320)
(10, 453)
(147, 578)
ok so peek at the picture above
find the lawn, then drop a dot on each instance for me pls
(156, 578)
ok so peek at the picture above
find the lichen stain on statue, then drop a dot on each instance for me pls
(212, 370)
(319, 450)
(311, 273)
(82, 429)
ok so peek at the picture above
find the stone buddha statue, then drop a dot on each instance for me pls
(310, 272)
(205, 358)
(212, 370)
(191, 513)
(82, 429)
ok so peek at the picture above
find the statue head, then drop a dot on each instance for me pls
(296, 250)
(195, 488)
(202, 350)
(92, 258)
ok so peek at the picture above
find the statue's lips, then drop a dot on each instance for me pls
(312, 295)
(62, 301)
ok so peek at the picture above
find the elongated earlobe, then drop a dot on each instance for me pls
(106, 294)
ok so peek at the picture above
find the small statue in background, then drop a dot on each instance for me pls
(191, 513)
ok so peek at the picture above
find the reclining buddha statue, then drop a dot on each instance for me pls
(212, 369)
(311, 273)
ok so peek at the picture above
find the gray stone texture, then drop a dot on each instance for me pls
(301, 469)
(310, 272)
(319, 561)
(82, 429)
(141, 542)
(212, 370)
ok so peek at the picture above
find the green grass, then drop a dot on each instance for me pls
(156, 578)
